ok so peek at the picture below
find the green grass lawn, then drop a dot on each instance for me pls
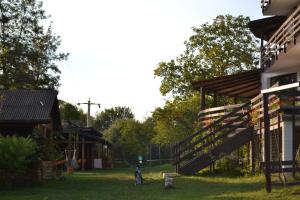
(118, 184)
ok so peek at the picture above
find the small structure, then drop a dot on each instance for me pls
(92, 150)
(23, 110)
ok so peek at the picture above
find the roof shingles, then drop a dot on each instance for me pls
(26, 105)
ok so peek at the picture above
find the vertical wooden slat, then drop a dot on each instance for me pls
(82, 154)
(294, 136)
(202, 98)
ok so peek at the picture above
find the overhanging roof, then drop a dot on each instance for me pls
(266, 27)
(27, 106)
(90, 133)
(244, 84)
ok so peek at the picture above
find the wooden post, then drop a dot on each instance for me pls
(294, 134)
(213, 136)
(248, 156)
(202, 98)
(215, 100)
(267, 142)
(261, 49)
(82, 154)
(159, 154)
(150, 154)
(252, 146)
(235, 100)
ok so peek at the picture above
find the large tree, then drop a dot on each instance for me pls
(223, 47)
(176, 120)
(129, 138)
(70, 112)
(105, 118)
(28, 49)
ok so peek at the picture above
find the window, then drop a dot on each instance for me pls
(284, 79)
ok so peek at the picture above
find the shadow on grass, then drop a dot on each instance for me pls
(119, 184)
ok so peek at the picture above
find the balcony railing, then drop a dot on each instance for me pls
(282, 38)
(210, 115)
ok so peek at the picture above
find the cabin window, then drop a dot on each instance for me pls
(284, 79)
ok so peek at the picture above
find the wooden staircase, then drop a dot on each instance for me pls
(222, 136)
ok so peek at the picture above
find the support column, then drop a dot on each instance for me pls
(287, 141)
(261, 49)
(82, 154)
(267, 142)
(252, 155)
(202, 98)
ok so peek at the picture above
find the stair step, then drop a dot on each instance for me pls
(229, 145)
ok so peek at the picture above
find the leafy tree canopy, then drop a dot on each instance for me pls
(223, 47)
(129, 138)
(105, 118)
(176, 120)
(28, 51)
(70, 112)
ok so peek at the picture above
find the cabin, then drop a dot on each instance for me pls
(264, 111)
(21, 111)
(91, 150)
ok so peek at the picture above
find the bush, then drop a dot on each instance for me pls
(46, 148)
(15, 158)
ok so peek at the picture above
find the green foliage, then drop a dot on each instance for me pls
(46, 148)
(129, 138)
(15, 154)
(70, 112)
(105, 119)
(176, 120)
(224, 47)
(28, 51)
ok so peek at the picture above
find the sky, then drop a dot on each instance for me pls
(115, 45)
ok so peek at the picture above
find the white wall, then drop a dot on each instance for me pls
(265, 76)
(287, 141)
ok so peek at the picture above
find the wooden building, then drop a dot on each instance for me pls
(23, 110)
(91, 148)
(267, 119)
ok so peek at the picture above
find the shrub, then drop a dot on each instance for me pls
(15, 158)
(46, 148)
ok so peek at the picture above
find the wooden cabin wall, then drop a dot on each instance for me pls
(16, 129)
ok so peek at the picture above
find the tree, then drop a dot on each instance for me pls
(70, 112)
(177, 120)
(224, 47)
(129, 139)
(28, 51)
(104, 119)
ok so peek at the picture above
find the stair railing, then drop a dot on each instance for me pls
(186, 150)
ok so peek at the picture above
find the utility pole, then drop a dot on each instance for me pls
(87, 125)
(89, 111)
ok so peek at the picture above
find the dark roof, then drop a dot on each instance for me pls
(90, 134)
(266, 27)
(27, 106)
(244, 84)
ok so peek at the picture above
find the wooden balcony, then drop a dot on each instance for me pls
(281, 49)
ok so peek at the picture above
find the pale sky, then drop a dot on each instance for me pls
(115, 45)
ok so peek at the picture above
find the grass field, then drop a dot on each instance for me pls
(118, 184)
